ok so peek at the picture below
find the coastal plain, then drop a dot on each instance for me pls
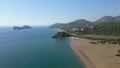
(96, 55)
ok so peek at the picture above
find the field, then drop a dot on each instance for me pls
(93, 36)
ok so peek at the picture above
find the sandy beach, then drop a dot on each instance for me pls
(96, 55)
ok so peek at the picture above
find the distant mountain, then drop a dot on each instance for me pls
(108, 19)
(117, 19)
(57, 25)
(77, 23)
(80, 23)
(84, 23)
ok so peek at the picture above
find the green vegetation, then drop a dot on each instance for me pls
(100, 29)
(104, 30)
(118, 53)
(61, 35)
(95, 36)
(80, 23)
(102, 38)
(107, 29)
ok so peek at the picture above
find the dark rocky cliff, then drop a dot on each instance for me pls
(61, 35)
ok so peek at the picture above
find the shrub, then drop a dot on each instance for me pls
(118, 51)
(117, 55)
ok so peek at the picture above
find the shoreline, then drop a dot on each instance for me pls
(81, 55)
(86, 61)
(96, 55)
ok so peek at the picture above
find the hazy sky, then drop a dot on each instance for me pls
(46, 12)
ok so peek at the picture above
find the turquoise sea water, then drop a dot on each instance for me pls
(34, 48)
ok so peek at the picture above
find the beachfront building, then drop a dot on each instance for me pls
(74, 29)
(91, 27)
(82, 29)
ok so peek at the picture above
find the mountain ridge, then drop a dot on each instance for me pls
(107, 19)
(84, 23)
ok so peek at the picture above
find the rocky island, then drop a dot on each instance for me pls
(21, 28)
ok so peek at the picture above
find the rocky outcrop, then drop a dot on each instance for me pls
(61, 35)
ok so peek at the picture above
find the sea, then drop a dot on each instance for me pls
(34, 48)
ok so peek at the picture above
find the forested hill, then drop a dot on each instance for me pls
(106, 29)
(106, 25)
(77, 23)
